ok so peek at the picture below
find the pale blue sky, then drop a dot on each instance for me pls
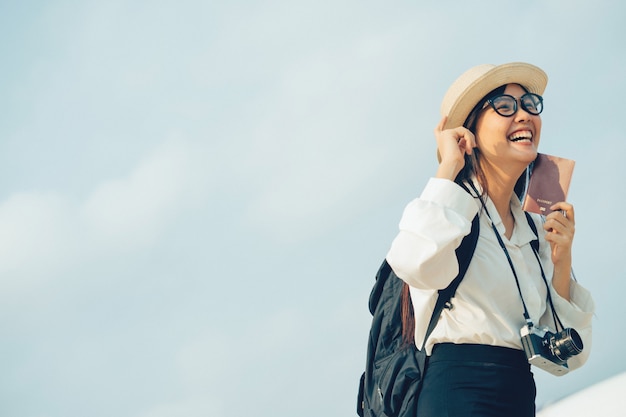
(195, 196)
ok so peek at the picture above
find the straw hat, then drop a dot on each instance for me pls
(476, 82)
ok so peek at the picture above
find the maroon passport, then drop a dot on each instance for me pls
(549, 183)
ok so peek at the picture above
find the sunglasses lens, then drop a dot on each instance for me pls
(504, 105)
(532, 103)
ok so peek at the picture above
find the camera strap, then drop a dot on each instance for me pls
(508, 257)
(555, 317)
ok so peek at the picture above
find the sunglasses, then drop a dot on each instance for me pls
(506, 105)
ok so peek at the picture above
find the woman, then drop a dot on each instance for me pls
(486, 140)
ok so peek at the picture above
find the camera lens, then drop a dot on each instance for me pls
(566, 344)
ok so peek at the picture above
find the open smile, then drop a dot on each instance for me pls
(521, 136)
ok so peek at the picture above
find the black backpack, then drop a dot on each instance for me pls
(390, 385)
(392, 379)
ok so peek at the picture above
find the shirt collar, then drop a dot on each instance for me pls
(522, 233)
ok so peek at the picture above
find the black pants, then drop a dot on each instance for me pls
(477, 381)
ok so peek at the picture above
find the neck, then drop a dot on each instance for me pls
(501, 185)
(500, 195)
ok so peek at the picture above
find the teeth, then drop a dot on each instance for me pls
(525, 136)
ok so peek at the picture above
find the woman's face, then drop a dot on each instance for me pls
(508, 141)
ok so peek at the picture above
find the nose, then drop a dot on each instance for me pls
(521, 114)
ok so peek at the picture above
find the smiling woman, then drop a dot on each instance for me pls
(479, 352)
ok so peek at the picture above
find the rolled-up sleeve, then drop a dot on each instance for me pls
(431, 228)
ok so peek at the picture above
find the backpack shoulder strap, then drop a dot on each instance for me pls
(464, 254)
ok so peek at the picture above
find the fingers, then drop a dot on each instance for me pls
(561, 217)
(566, 209)
(560, 230)
(467, 142)
(560, 224)
(455, 142)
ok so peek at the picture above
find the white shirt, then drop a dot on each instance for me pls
(487, 305)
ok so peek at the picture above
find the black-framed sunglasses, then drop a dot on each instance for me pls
(506, 105)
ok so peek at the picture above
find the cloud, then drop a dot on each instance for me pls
(35, 230)
(132, 211)
(43, 232)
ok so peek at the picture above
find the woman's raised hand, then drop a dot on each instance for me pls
(452, 145)
(560, 226)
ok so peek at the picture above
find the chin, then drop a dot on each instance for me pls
(532, 156)
(529, 154)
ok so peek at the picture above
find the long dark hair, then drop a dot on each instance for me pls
(408, 318)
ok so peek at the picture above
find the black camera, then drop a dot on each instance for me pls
(550, 351)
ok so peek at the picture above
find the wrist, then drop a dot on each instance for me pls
(449, 170)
